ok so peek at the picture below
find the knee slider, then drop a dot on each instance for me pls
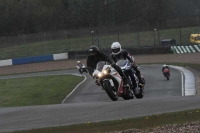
(138, 68)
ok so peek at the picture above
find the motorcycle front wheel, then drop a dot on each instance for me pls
(111, 91)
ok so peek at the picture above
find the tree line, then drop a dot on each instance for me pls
(33, 16)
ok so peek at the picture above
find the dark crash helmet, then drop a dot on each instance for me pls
(93, 50)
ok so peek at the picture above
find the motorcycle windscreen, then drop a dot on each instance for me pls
(122, 63)
(100, 65)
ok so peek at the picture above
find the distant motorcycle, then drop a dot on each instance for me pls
(126, 66)
(166, 73)
(110, 80)
(81, 68)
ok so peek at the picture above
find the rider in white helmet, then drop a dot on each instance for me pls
(79, 64)
(96, 56)
(119, 53)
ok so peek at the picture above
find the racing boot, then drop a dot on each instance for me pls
(141, 81)
(126, 83)
(97, 83)
(131, 87)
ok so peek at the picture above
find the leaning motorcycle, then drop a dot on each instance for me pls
(166, 73)
(81, 68)
(110, 80)
(126, 66)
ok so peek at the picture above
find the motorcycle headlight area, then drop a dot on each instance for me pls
(100, 75)
(103, 73)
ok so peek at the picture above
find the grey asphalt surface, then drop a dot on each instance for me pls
(156, 86)
(90, 104)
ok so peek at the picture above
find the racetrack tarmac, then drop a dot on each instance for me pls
(160, 96)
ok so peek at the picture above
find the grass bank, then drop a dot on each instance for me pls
(36, 90)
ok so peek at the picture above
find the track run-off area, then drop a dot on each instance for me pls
(89, 103)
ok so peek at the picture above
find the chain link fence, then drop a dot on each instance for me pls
(130, 36)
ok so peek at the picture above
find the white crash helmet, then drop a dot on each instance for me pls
(164, 65)
(78, 62)
(116, 48)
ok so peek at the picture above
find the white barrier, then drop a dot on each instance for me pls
(60, 56)
(7, 62)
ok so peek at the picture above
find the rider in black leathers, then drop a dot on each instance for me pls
(119, 53)
(96, 56)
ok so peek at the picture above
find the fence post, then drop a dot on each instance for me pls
(154, 36)
(118, 36)
(158, 36)
(92, 33)
(138, 38)
(180, 34)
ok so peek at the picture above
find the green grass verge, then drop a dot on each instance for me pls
(36, 90)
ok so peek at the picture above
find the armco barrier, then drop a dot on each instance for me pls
(185, 49)
(34, 59)
(6, 62)
(83, 54)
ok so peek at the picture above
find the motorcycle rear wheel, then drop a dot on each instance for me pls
(129, 95)
(80, 70)
(140, 95)
(112, 92)
(167, 77)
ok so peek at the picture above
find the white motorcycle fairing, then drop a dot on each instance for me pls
(111, 81)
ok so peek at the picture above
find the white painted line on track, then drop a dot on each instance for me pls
(75, 88)
(182, 79)
(188, 85)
